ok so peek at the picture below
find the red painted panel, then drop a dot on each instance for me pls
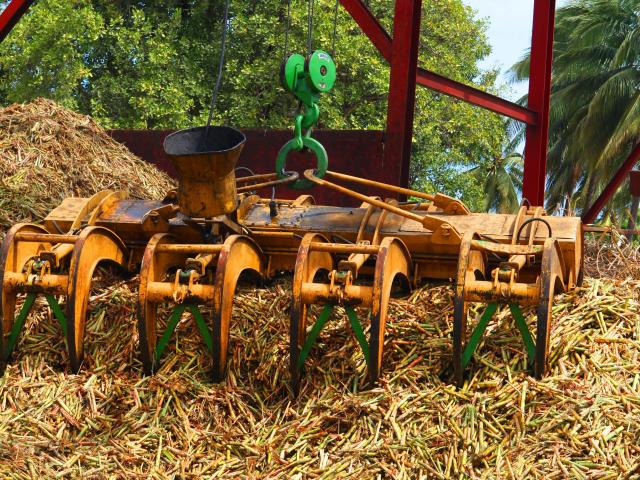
(357, 152)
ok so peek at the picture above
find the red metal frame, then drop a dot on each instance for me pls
(402, 88)
(401, 52)
(535, 150)
(536, 115)
(11, 15)
(610, 189)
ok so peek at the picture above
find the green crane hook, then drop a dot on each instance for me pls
(306, 79)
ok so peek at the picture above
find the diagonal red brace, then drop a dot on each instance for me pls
(610, 189)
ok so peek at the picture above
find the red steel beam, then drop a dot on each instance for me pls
(383, 43)
(11, 14)
(613, 185)
(476, 97)
(369, 24)
(402, 87)
(535, 151)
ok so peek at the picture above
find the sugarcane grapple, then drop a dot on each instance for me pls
(192, 248)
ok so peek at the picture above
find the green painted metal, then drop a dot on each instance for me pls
(172, 323)
(202, 326)
(291, 69)
(58, 313)
(18, 324)
(321, 158)
(321, 70)
(306, 80)
(323, 318)
(477, 333)
(358, 331)
(521, 323)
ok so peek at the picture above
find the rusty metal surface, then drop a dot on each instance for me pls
(186, 261)
(281, 234)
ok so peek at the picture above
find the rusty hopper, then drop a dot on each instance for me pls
(205, 158)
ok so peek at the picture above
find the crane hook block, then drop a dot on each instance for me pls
(321, 70)
(290, 69)
(310, 76)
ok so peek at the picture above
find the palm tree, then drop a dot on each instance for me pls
(595, 101)
(501, 181)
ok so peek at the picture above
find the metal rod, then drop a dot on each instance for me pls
(385, 186)
(483, 291)
(292, 177)
(50, 283)
(158, 292)
(313, 293)
(342, 248)
(46, 238)
(621, 231)
(378, 203)
(188, 249)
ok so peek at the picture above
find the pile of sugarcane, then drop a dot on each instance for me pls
(579, 422)
(48, 153)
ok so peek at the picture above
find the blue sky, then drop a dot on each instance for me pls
(509, 32)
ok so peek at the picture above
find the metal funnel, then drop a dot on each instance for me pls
(205, 166)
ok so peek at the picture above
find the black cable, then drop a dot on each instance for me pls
(310, 27)
(286, 31)
(335, 29)
(216, 89)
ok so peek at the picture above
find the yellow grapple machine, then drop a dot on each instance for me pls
(191, 249)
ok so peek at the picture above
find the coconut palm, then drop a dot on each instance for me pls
(595, 101)
(501, 181)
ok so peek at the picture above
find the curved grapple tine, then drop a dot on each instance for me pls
(93, 246)
(13, 258)
(239, 254)
(393, 260)
(308, 263)
(551, 282)
(154, 268)
(470, 262)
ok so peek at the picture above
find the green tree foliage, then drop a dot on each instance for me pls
(137, 64)
(595, 103)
